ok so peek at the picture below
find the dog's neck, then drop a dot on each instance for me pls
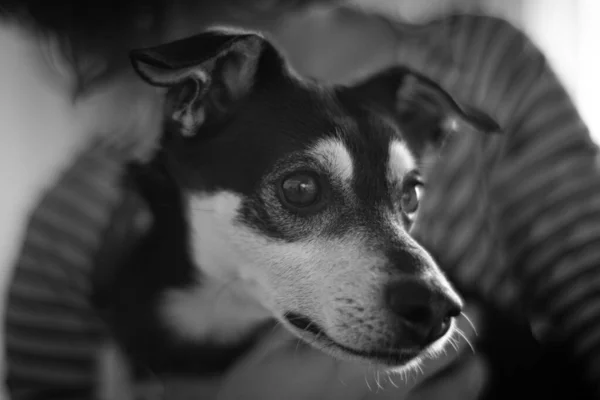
(167, 315)
(213, 310)
(216, 305)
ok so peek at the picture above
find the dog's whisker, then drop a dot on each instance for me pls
(416, 370)
(314, 342)
(466, 317)
(377, 380)
(337, 366)
(276, 325)
(404, 376)
(367, 382)
(444, 349)
(310, 342)
(411, 374)
(381, 385)
(389, 376)
(456, 341)
(420, 368)
(297, 345)
(407, 375)
(453, 342)
(461, 333)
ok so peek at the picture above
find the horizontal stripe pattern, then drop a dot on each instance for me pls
(52, 333)
(529, 198)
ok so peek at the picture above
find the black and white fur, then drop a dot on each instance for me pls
(227, 256)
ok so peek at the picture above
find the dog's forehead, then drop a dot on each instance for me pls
(334, 155)
(304, 121)
(269, 126)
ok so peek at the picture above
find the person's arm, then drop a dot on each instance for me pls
(53, 334)
(515, 216)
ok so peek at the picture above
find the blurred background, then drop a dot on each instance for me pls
(567, 30)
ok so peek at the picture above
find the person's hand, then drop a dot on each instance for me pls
(283, 369)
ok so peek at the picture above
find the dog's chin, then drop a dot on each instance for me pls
(393, 359)
(314, 335)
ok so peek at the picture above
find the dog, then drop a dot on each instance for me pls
(276, 199)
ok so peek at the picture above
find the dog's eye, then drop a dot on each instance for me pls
(410, 196)
(300, 190)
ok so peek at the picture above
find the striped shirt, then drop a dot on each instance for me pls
(485, 62)
(53, 334)
(514, 216)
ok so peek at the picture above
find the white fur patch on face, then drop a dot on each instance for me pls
(335, 157)
(222, 306)
(247, 277)
(211, 220)
(223, 311)
(401, 161)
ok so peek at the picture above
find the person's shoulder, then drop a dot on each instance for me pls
(479, 20)
(500, 34)
(477, 24)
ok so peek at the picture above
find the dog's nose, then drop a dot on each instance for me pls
(424, 309)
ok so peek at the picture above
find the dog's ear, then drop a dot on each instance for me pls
(422, 105)
(205, 75)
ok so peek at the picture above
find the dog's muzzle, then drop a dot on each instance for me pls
(423, 311)
(416, 314)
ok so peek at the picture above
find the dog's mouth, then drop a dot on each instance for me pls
(389, 357)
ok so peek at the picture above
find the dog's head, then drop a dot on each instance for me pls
(306, 193)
